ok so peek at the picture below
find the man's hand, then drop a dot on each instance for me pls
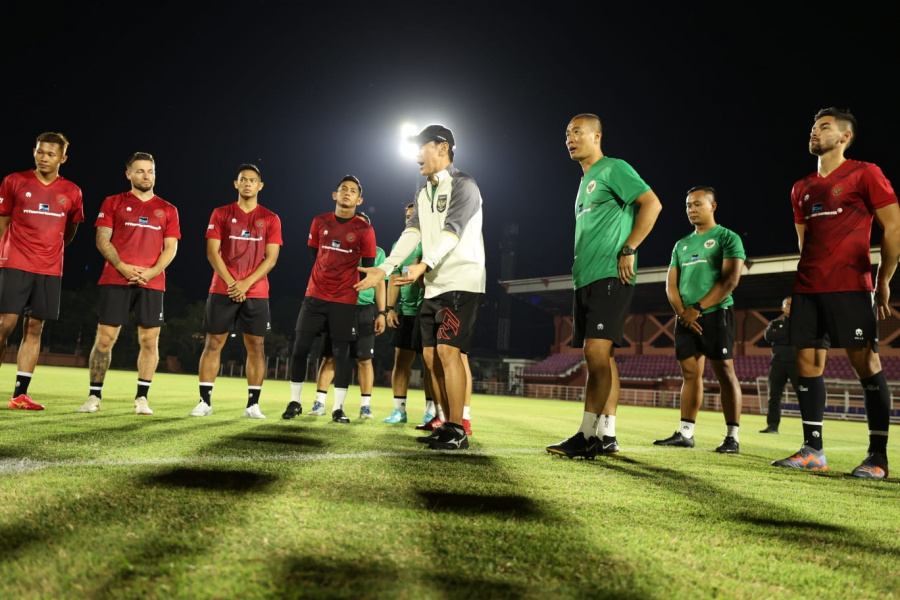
(237, 290)
(393, 321)
(379, 324)
(689, 318)
(130, 272)
(882, 301)
(626, 268)
(411, 274)
(373, 277)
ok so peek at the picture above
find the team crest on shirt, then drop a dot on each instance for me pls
(351, 237)
(837, 190)
(62, 200)
(591, 187)
(709, 244)
(442, 203)
(158, 213)
(259, 223)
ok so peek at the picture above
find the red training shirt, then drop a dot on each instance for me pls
(244, 237)
(340, 248)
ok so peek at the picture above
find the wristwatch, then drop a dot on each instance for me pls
(383, 312)
(627, 250)
(696, 306)
(387, 308)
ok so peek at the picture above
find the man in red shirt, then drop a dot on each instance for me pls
(832, 305)
(339, 242)
(137, 234)
(242, 244)
(39, 214)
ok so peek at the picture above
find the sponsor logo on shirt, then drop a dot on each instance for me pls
(44, 207)
(210, 226)
(694, 257)
(818, 211)
(101, 215)
(591, 187)
(1, 199)
(143, 220)
(335, 244)
(817, 207)
(709, 244)
(245, 233)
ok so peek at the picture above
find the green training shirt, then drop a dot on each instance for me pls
(699, 257)
(604, 216)
(410, 295)
(367, 297)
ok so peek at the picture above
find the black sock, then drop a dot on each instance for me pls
(143, 388)
(96, 389)
(878, 410)
(22, 381)
(811, 396)
(253, 395)
(206, 393)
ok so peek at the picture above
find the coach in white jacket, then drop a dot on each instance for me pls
(446, 219)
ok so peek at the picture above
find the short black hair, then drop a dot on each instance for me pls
(138, 156)
(844, 118)
(703, 188)
(249, 167)
(53, 137)
(352, 178)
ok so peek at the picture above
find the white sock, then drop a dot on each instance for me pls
(732, 430)
(686, 428)
(607, 426)
(440, 412)
(467, 413)
(429, 407)
(320, 396)
(589, 423)
(400, 403)
(296, 388)
(340, 394)
(365, 400)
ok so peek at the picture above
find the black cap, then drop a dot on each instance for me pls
(434, 133)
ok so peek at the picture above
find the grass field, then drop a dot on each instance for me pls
(115, 505)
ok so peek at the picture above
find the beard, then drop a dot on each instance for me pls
(142, 187)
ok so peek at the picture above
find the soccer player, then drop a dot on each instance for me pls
(137, 234)
(615, 210)
(338, 241)
(371, 317)
(242, 244)
(447, 220)
(705, 269)
(39, 214)
(833, 304)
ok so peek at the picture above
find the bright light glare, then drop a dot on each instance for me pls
(408, 150)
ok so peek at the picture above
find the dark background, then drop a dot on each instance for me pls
(688, 96)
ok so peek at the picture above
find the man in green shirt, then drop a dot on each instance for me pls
(614, 212)
(706, 267)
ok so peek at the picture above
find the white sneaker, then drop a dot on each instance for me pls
(141, 407)
(318, 409)
(91, 406)
(253, 412)
(201, 410)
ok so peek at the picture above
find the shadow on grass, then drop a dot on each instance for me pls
(508, 506)
(210, 479)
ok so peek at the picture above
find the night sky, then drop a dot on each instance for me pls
(688, 97)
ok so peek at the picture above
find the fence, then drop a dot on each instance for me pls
(844, 401)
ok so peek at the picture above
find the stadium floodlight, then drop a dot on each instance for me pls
(408, 150)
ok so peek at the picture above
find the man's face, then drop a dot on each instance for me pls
(825, 136)
(582, 138)
(786, 307)
(347, 195)
(248, 183)
(48, 157)
(142, 175)
(409, 212)
(432, 158)
(700, 207)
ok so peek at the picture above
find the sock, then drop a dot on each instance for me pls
(320, 396)
(96, 389)
(589, 423)
(340, 394)
(206, 392)
(440, 412)
(607, 426)
(467, 413)
(731, 429)
(878, 410)
(296, 388)
(22, 381)
(253, 392)
(811, 397)
(365, 400)
(429, 406)
(143, 388)
(686, 428)
(400, 403)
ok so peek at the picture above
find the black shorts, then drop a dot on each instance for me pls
(364, 346)
(29, 294)
(408, 335)
(116, 302)
(450, 319)
(715, 343)
(834, 320)
(222, 314)
(600, 310)
(338, 319)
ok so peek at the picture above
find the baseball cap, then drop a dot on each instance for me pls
(434, 133)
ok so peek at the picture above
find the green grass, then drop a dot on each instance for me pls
(115, 505)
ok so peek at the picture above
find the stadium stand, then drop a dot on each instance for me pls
(556, 365)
